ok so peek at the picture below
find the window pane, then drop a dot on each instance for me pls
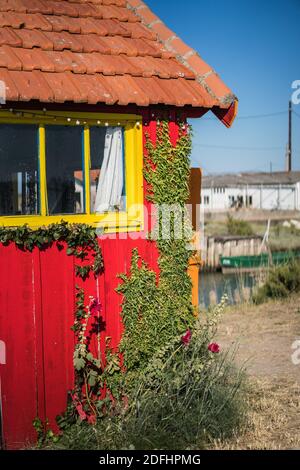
(19, 188)
(64, 164)
(107, 169)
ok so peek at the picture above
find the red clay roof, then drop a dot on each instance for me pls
(102, 51)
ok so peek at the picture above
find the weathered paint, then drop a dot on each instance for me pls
(37, 301)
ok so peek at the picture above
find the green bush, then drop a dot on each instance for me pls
(281, 282)
(186, 396)
(238, 227)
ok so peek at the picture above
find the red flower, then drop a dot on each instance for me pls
(92, 420)
(79, 408)
(214, 348)
(95, 306)
(81, 412)
(186, 339)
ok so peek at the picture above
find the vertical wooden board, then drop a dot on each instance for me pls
(58, 294)
(92, 288)
(173, 129)
(17, 330)
(114, 265)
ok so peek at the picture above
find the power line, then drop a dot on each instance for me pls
(237, 148)
(298, 115)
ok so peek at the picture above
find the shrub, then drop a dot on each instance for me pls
(188, 394)
(238, 227)
(281, 282)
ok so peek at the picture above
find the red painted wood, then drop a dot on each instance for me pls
(58, 294)
(17, 330)
(37, 303)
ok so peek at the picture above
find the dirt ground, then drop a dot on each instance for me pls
(264, 336)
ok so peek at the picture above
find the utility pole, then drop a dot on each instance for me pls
(289, 150)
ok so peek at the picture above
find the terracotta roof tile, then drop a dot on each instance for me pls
(217, 86)
(138, 31)
(63, 23)
(63, 8)
(61, 41)
(35, 6)
(102, 51)
(8, 59)
(13, 5)
(98, 89)
(8, 37)
(113, 27)
(12, 92)
(119, 45)
(65, 62)
(32, 86)
(92, 43)
(127, 90)
(34, 38)
(33, 59)
(63, 87)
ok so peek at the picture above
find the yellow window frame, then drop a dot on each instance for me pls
(132, 219)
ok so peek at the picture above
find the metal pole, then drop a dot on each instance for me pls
(289, 168)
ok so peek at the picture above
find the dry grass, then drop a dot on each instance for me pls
(273, 418)
(265, 335)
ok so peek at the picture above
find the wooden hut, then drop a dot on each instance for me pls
(82, 83)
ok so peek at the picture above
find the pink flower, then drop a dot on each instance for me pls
(81, 412)
(79, 408)
(92, 420)
(214, 348)
(95, 306)
(187, 337)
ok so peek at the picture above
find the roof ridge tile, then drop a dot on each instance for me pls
(183, 52)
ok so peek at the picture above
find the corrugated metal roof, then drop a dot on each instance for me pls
(102, 51)
(242, 179)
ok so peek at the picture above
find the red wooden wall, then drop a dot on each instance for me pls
(37, 300)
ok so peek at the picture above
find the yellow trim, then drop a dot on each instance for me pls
(130, 220)
(42, 173)
(87, 166)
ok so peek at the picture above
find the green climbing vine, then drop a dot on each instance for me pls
(81, 242)
(155, 311)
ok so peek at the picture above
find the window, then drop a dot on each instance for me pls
(19, 170)
(64, 170)
(206, 200)
(249, 201)
(107, 169)
(82, 169)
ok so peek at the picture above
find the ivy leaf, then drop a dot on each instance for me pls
(93, 377)
(79, 362)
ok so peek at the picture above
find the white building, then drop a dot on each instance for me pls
(267, 191)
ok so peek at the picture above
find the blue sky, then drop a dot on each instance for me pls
(255, 47)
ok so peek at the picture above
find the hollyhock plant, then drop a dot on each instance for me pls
(92, 420)
(214, 348)
(79, 407)
(95, 306)
(186, 338)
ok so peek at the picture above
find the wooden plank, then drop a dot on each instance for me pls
(57, 292)
(17, 330)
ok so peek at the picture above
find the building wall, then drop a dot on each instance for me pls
(37, 302)
(283, 197)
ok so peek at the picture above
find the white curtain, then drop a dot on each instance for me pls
(110, 185)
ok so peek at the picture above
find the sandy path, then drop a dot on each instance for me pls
(265, 336)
